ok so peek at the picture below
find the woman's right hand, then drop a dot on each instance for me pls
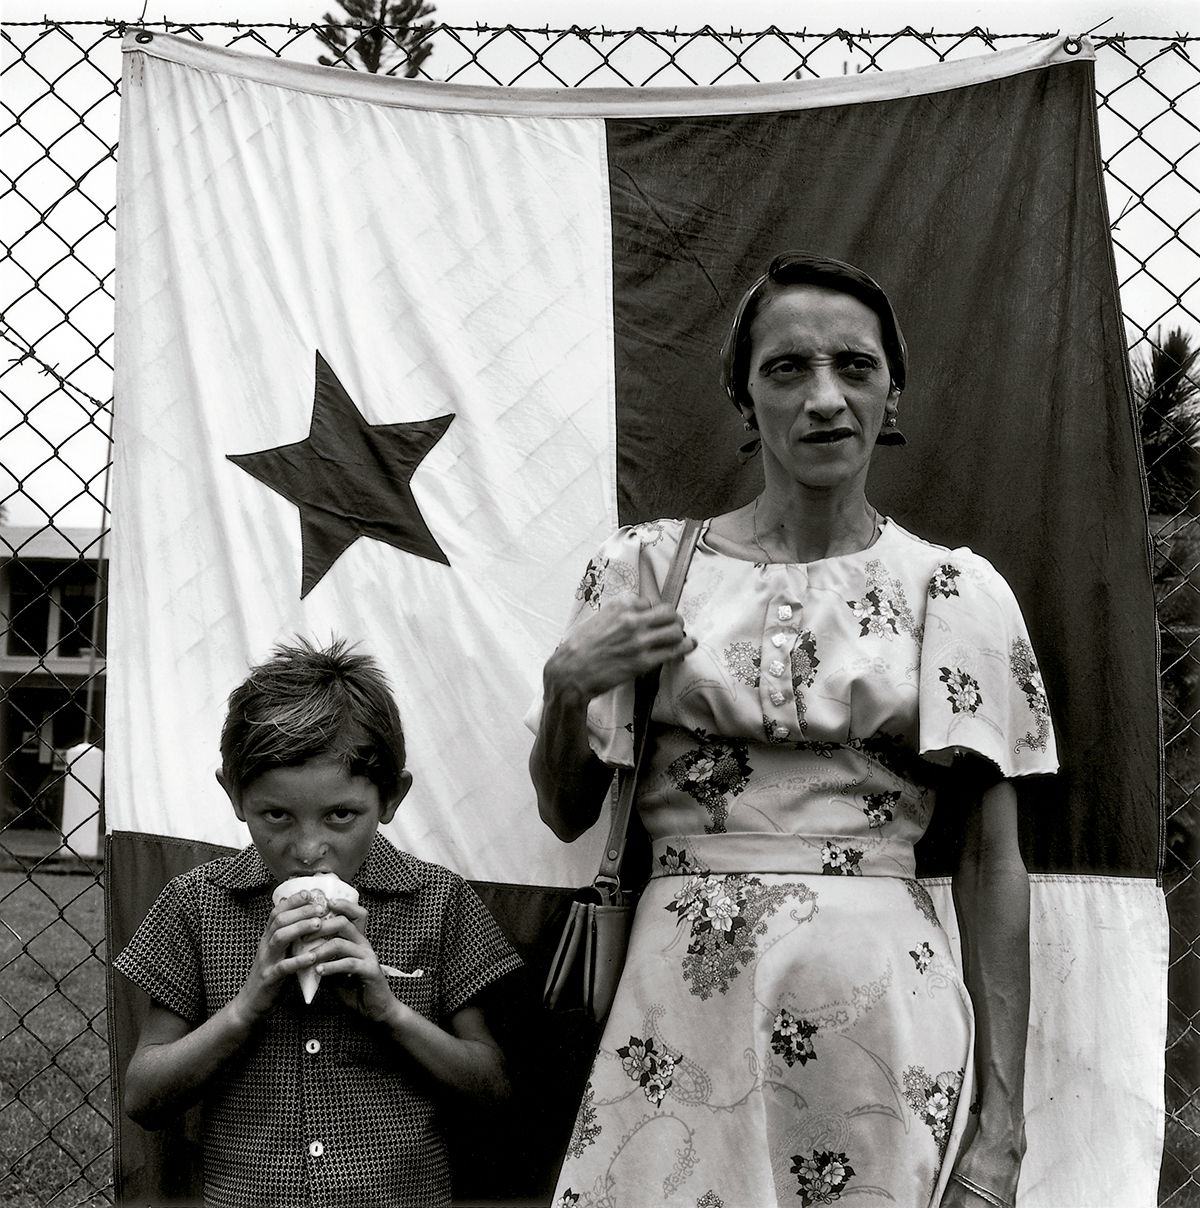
(630, 635)
(625, 638)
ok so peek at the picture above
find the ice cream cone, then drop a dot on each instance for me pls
(323, 888)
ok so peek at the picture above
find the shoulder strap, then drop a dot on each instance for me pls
(645, 690)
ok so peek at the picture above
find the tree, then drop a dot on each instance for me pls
(1168, 396)
(1167, 390)
(389, 34)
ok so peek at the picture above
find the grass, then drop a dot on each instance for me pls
(55, 1100)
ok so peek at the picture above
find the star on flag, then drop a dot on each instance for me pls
(350, 479)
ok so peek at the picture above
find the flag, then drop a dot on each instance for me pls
(394, 356)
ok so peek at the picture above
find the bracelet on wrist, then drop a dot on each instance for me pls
(983, 1193)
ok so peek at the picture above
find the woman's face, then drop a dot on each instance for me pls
(819, 380)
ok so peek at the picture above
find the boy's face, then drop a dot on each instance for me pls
(314, 817)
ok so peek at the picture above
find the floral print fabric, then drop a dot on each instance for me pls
(920, 644)
(790, 1026)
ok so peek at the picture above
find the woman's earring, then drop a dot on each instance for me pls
(890, 434)
(752, 446)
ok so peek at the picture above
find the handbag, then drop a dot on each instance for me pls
(591, 952)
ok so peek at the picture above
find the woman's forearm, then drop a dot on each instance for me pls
(997, 976)
(991, 895)
(569, 779)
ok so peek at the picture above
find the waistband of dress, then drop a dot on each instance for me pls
(753, 852)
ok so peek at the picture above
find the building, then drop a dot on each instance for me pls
(52, 625)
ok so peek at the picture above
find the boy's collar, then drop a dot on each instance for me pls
(386, 870)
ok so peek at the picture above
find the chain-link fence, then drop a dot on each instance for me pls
(58, 150)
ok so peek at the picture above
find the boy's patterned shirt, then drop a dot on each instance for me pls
(320, 1109)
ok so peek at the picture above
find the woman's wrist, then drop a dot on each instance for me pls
(564, 685)
(1001, 1133)
(992, 1164)
(982, 1192)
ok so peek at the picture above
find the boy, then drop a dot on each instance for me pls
(331, 1103)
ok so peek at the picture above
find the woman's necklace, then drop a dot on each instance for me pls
(875, 529)
(754, 524)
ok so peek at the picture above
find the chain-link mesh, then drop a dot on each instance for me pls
(58, 149)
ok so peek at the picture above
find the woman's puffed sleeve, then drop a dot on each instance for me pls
(614, 571)
(980, 687)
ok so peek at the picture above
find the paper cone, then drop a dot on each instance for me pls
(324, 887)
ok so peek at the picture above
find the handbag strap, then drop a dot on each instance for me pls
(645, 690)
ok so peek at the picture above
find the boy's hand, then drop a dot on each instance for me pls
(293, 919)
(348, 965)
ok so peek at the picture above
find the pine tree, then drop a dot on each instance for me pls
(392, 38)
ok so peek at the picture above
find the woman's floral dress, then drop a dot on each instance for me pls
(790, 1026)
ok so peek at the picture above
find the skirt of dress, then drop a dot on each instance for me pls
(777, 1039)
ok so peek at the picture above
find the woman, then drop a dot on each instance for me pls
(790, 1022)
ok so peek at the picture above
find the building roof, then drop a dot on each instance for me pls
(41, 541)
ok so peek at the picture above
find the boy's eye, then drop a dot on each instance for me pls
(275, 815)
(342, 815)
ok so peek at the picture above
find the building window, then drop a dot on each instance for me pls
(53, 610)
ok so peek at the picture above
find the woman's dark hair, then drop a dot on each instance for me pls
(806, 268)
(307, 703)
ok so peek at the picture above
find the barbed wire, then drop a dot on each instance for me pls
(28, 353)
(603, 31)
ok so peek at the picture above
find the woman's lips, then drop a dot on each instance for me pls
(827, 437)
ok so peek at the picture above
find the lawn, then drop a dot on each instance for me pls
(55, 1102)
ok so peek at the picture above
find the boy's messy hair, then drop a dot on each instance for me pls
(305, 703)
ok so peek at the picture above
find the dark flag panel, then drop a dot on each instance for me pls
(978, 210)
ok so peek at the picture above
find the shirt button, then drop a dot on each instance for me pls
(778, 640)
(784, 612)
(315, 1149)
(776, 667)
(777, 697)
(312, 1046)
